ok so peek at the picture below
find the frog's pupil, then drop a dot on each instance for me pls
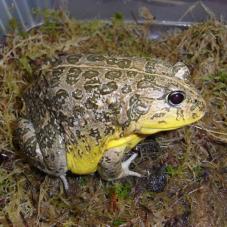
(176, 97)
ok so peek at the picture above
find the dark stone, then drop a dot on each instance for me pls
(157, 181)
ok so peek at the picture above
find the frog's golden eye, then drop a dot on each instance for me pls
(175, 98)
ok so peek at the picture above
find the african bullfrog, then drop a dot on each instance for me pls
(85, 112)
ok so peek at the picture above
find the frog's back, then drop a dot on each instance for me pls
(99, 89)
(149, 65)
(96, 83)
(88, 91)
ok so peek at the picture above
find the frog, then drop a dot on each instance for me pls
(86, 112)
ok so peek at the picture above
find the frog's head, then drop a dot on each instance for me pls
(164, 102)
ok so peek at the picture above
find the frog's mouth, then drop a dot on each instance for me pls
(149, 127)
(150, 131)
(171, 120)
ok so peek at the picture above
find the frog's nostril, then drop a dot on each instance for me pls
(196, 100)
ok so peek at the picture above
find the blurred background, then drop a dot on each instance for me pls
(167, 13)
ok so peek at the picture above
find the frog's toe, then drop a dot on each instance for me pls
(65, 182)
(125, 167)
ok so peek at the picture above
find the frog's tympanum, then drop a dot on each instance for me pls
(87, 111)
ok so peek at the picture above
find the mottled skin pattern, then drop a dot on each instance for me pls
(87, 111)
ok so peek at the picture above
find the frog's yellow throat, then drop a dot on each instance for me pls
(87, 162)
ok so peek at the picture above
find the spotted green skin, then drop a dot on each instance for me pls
(85, 98)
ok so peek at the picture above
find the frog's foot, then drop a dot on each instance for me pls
(65, 182)
(111, 166)
(125, 168)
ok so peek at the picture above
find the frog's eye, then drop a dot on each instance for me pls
(175, 98)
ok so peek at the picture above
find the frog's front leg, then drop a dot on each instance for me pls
(111, 166)
(44, 148)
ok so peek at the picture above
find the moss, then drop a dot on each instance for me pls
(117, 222)
(122, 190)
